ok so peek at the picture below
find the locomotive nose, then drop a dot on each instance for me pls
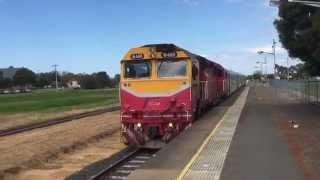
(154, 104)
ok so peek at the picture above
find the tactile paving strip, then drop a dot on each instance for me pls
(209, 163)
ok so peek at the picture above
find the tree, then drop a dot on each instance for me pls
(102, 79)
(116, 80)
(282, 71)
(42, 81)
(299, 33)
(5, 83)
(24, 77)
(47, 78)
(66, 77)
(88, 82)
(257, 75)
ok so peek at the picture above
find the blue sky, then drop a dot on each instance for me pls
(93, 35)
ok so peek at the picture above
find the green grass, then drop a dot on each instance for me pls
(51, 101)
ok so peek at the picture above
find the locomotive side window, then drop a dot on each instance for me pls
(135, 70)
(172, 68)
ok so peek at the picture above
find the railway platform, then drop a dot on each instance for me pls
(239, 139)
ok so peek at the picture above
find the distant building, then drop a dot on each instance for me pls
(74, 84)
(8, 72)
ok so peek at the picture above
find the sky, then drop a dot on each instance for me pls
(85, 36)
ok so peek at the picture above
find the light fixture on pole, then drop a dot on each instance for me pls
(274, 56)
(307, 3)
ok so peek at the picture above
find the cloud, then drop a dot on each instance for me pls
(243, 59)
(242, 62)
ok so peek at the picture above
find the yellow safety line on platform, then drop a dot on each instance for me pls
(204, 144)
(195, 156)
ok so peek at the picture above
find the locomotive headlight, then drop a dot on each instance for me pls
(170, 125)
(139, 125)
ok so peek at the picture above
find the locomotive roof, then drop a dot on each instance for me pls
(173, 47)
(150, 51)
(163, 47)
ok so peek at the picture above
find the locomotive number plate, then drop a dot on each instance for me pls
(169, 54)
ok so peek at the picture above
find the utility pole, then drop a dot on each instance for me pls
(264, 69)
(266, 64)
(56, 72)
(288, 75)
(274, 57)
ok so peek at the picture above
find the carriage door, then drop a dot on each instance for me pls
(195, 87)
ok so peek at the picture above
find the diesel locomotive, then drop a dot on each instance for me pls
(163, 89)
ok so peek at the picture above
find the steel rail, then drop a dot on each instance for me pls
(130, 160)
(56, 121)
(121, 159)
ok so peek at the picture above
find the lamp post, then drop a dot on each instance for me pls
(261, 66)
(264, 73)
(307, 3)
(274, 56)
(265, 63)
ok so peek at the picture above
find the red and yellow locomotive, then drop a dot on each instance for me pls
(163, 88)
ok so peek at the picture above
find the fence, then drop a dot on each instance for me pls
(308, 91)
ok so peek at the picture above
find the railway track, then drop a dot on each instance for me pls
(56, 121)
(125, 164)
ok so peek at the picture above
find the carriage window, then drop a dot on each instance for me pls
(135, 70)
(172, 68)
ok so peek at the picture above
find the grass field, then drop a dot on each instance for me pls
(46, 100)
(41, 105)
